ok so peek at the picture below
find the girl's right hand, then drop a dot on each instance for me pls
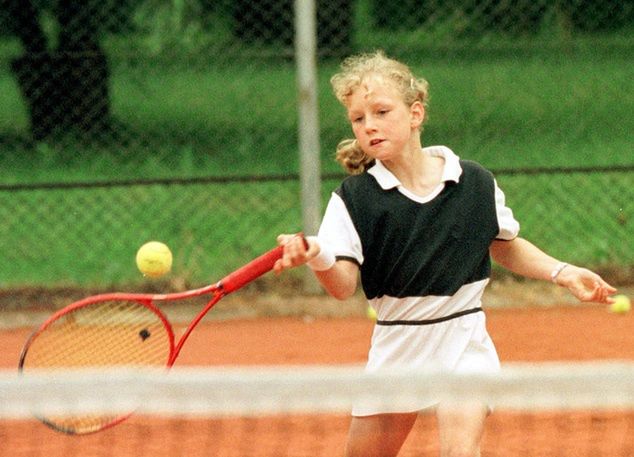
(297, 251)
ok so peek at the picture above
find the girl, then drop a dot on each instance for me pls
(420, 226)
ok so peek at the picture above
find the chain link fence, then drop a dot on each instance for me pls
(128, 120)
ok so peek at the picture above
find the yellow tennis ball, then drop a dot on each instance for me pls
(622, 304)
(154, 259)
(370, 312)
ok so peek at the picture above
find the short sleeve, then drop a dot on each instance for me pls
(509, 226)
(338, 232)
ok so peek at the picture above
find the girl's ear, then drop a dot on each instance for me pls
(417, 114)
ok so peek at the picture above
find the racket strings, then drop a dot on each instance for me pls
(102, 334)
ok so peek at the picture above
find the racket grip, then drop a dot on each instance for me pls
(251, 271)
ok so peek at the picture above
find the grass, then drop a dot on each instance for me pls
(202, 120)
(504, 113)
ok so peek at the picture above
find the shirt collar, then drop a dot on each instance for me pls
(451, 171)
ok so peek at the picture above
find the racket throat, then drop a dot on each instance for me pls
(177, 349)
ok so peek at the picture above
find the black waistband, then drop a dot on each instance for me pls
(431, 321)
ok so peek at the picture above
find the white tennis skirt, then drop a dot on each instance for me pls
(459, 345)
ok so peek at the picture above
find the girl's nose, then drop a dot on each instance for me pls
(369, 124)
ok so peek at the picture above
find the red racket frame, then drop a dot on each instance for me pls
(230, 283)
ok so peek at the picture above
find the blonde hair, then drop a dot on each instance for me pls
(354, 70)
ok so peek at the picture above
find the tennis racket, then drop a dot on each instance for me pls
(119, 330)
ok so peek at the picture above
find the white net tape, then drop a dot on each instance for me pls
(319, 389)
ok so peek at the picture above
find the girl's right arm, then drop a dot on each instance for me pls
(338, 277)
(340, 281)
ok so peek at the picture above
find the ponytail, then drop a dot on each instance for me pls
(352, 158)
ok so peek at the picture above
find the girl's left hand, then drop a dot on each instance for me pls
(586, 285)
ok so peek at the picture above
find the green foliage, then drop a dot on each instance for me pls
(177, 26)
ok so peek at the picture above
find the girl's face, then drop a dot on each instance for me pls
(382, 123)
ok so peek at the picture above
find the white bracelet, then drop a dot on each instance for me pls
(324, 260)
(560, 266)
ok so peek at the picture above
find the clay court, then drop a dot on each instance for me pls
(527, 333)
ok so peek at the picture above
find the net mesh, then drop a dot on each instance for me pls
(544, 409)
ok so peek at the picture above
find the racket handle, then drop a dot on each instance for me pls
(251, 271)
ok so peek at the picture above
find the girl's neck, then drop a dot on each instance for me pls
(418, 172)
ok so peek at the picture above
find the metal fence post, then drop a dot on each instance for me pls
(305, 56)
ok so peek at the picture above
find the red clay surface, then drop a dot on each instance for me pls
(527, 334)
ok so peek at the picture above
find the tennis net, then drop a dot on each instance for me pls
(547, 409)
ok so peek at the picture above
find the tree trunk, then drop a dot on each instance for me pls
(65, 90)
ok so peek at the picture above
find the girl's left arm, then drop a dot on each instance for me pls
(524, 258)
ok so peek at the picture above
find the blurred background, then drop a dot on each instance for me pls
(123, 121)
